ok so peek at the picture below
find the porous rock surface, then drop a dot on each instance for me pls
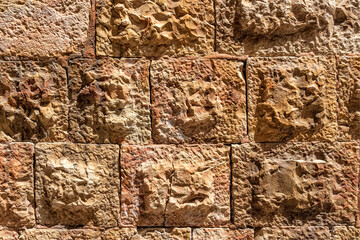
(293, 233)
(147, 234)
(16, 186)
(175, 186)
(110, 101)
(284, 184)
(223, 233)
(284, 27)
(198, 101)
(77, 184)
(154, 28)
(292, 99)
(33, 101)
(60, 234)
(41, 28)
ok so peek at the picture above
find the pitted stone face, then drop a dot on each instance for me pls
(41, 28)
(317, 185)
(198, 101)
(110, 101)
(222, 233)
(147, 234)
(77, 184)
(68, 234)
(33, 101)
(292, 99)
(16, 186)
(294, 233)
(287, 28)
(175, 186)
(154, 28)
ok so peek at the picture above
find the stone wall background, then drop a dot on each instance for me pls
(179, 119)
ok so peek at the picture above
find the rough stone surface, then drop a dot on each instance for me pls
(110, 101)
(60, 234)
(8, 235)
(154, 28)
(77, 184)
(349, 98)
(39, 28)
(222, 233)
(295, 184)
(198, 101)
(345, 233)
(33, 101)
(147, 234)
(293, 233)
(16, 185)
(284, 27)
(292, 99)
(175, 185)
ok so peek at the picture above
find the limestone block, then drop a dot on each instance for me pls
(175, 185)
(16, 186)
(77, 184)
(154, 28)
(293, 233)
(223, 233)
(60, 234)
(147, 234)
(110, 101)
(198, 101)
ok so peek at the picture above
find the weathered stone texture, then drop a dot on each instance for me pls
(60, 234)
(345, 233)
(283, 27)
(110, 101)
(293, 233)
(8, 235)
(349, 98)
(292, 99)
(39, 28)
(154, 28)
(295, 184)
(33, 101)
(198, 101)
(16, 185)
(175, 185)
(222, 233)
(147, 234)
(77, 184)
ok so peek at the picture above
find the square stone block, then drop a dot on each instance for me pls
(40, 28)
(292, 99)
(287, 28)
(198, 101)
(110, 101)
(16, 186)
(349, 98)
(175, 185)
(277, 184)
(154, 28)
(33, 101)
(77, 184)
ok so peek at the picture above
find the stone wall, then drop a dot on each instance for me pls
(179, 119)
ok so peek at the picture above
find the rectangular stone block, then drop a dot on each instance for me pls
(280, 28)
(8, 235)
(222, 233)
(147, 234)
(293, 233)
(277, 184)
(16, 186)
(154, 28)
(175, 185)
(39, 28)
(60, 234)
(292, 99)
(77, 184)
(198, 101)
(33, 101)
(349, 98)
(110, 101)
